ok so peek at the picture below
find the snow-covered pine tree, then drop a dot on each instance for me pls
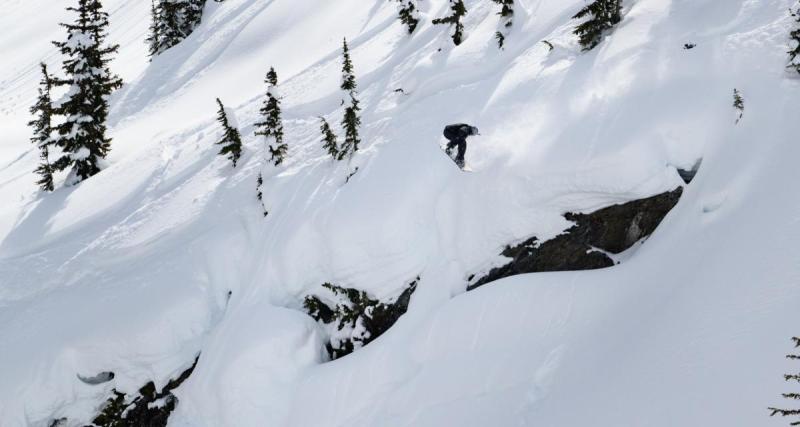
(329, 142)
(231, 141)
(271, 127)
(458, 12)
(794, 53)
(407, 11)
(791, 396)
(193, 14)
(738, 104)
(506, 14)
(82, 136)
(173, 21)
(603, 15)
(42, 130)
(351, 120)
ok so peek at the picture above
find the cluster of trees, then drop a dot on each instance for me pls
(171, 22)
(71, 132)
(271, 128)
(271, 124)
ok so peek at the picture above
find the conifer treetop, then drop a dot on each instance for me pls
(272, 77)
(348, 72)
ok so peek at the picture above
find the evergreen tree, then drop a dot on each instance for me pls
(153, 39)
(791, 396)
(351, 120)
(603, 15)
(271, 126)
(506, 14)
(501, 39)
(407, 10)
(348, 73)
(172, 22)
(738, 104)
(42, 130)
(329, 141)
(231, 141)
(507, 10)
(458, 12)
(82, 136)
(794, 53)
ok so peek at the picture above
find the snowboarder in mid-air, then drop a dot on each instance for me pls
(457, 137)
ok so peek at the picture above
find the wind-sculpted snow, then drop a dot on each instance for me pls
(166, 252)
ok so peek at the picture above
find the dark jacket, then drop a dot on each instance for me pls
(459, 131)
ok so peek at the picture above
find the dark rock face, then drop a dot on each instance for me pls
(613, 229)
(687, 175)
(149, 408)
(354, 318)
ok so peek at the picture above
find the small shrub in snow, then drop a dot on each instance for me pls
(82, 135)
(738, 104)
(506, 14)
(407, 11)
(602, 16)
(271, 126)
(791, 396)
(260, 195)
(352, 318)
(42, 110)
(231, 141)
(458, 11)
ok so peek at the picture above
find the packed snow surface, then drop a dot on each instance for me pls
(130, 272)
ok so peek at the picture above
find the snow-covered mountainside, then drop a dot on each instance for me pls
(166, 253)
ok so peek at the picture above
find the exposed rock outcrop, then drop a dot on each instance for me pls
(687, 175)
(149, 408)
(352, 318)
(585, 245)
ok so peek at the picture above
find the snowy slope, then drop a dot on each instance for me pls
(130, 271)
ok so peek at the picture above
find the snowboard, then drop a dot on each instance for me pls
(452, 156)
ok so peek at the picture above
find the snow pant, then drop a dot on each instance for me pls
(462, 150)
